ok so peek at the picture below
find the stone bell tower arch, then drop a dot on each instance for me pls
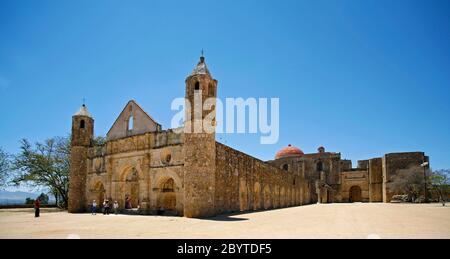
(81, 140)
(200, 143)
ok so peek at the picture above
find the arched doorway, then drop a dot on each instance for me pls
(301, 195)
(293, 199)
(167, 197)
(355, 194)
(282, 198)
(288, 197)
(131, 188)
(243, 196)
(276, 197)
(98, 193)
(257, 197)
(267, 198)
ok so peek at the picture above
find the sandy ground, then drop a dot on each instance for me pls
(313, 221)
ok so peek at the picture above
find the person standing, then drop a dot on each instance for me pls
(128, 203)
(37, 205)
(104, 207)
(116, 207)
(94, 207)
(107, 207)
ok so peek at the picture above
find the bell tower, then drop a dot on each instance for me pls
(200, 143)
(82, 135)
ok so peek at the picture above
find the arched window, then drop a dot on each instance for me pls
(131, 123)
(82, 124)
(286, 167)
(319, 166)
(197, 86)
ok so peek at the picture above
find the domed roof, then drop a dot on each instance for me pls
(83, 111)
(289, 151)
(201, 68)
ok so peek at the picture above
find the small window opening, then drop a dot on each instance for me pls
(197, 86)
(82, 124)
(130, 123)
(319, 167)
(286, 167)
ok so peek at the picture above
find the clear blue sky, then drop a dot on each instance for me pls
(363, 78)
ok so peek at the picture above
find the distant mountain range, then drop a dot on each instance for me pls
(7, 197)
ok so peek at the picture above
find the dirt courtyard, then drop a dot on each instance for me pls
(358, 220)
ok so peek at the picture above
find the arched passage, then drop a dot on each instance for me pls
(288, 197)
(257, 196)
(243, 204)
(267, 198)
(130, 188)
(167, 197)
(282, 198)
(98, 192)
(293, 202)
(355, 194)
(276, 197)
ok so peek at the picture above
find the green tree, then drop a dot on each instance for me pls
(29, 201)
(44, 165)
(440, 182)
(43, 198)
(4, 167)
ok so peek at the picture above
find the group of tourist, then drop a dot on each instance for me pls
(106, 207)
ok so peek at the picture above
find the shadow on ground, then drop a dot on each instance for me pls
(230, 216)
(227, 217)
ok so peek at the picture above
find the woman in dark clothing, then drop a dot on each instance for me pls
(37, 205)
(107, 205)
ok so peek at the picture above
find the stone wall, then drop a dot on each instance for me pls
(346, 165)
(363, 164)
(77, 186)
(151, 169)
(141, 142)
(393, 162)
(355, 179)
(245, 183)
(375, 180)
(140, 167)
(199, 175)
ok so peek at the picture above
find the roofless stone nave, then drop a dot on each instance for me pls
(193, 175)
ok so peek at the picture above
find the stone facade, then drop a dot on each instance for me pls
(188, 173)
(393, 162)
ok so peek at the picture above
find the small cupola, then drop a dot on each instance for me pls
(83, 111)
(201, 68)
